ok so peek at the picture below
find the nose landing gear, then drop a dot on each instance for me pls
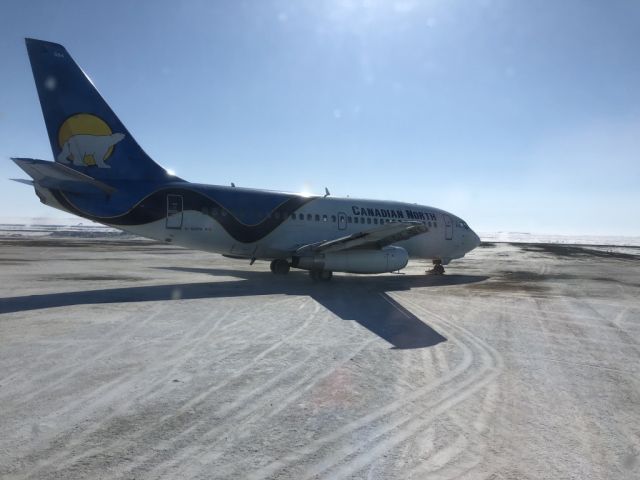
(437, 269)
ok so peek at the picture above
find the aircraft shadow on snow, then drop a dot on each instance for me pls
(361, 299)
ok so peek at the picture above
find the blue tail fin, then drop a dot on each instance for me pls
(84, 132)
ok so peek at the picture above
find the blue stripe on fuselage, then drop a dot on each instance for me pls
(248, 206)
(263, 211)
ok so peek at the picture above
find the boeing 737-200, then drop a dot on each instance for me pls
(100, 173)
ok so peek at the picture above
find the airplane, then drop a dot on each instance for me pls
(100, 173)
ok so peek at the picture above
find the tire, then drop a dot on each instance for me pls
(283, 267)
(280, 266)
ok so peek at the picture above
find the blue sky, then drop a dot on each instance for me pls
(517, 116)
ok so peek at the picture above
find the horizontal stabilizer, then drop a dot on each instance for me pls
(60, 177)
(22, 180)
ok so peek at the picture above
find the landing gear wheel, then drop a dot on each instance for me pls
(280, 266)
(437, 269)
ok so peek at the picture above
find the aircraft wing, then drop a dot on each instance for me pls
(58, 176)
(382, 236)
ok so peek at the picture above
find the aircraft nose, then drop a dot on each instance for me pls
(475, 239)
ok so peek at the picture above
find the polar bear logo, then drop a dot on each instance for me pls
(81, 146)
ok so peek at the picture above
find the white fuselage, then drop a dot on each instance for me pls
(321, 219)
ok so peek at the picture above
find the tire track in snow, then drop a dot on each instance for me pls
(66, 460)
(255, 409)
(394, 433)
(241, 404)
(340, 436)
(64, 373)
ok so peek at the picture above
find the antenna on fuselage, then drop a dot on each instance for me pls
(326, 192)
(233, 184)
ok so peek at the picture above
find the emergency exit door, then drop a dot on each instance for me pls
(448, 227)
(174, 211)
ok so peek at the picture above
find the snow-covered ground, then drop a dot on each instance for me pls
(127, 360)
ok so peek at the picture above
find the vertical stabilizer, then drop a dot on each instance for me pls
(84, 132)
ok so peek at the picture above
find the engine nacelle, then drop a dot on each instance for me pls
(388, 259)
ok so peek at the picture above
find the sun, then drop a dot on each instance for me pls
(84, 124)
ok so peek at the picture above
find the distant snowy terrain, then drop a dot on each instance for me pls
(618, 244)
(57, 227)
(522, 237)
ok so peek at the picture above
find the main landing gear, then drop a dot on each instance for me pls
(280, 266)
(437, 269)
(321, 275)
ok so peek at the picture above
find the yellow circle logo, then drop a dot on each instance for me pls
(86, 140)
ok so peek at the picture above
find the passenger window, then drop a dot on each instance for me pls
(355, 219)
(324, 218)
(309, 217)
(317, 217)
(369, 220)
(348, 219)
(435, 225)
(429, 223)
(333, 218)
(375, 220)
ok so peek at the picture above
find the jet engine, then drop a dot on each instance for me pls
(387, 259)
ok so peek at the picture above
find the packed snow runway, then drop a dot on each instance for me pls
(121, 358)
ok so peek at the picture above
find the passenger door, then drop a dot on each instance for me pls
(448, 227)
(174, 211)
